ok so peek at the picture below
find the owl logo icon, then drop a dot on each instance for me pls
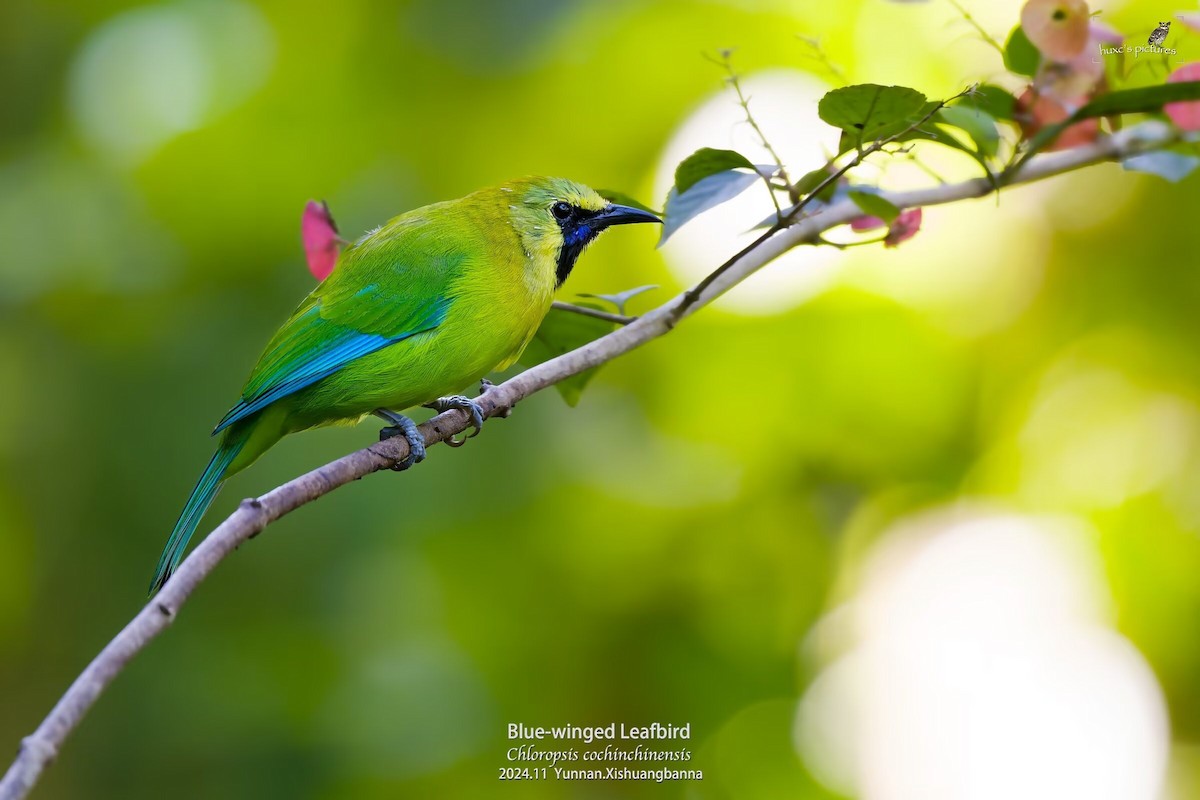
(1159, 34)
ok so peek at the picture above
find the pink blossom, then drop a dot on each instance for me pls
(904, 228)
(860, 224)
(321, 241)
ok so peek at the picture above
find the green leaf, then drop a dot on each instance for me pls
(1020, 56)
(703, 195)
(613, 196)
(811, 180)
(705, 162)
(992, 100)
(976, 123)
(869, 112)
(875, 206)
(619, 299)
(1127, 101)
(561, 332)
(1142, 99)
(847, 142)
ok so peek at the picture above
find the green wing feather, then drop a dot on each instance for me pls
(375, 298)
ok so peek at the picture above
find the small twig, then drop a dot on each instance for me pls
(774, 199)
(732, 78)
(847, 245)
(921, 165)
(584, 311)
(818, 54)
(987, 37)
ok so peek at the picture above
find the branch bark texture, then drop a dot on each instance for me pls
(253, 515)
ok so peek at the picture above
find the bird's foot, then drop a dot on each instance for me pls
(403, 426)
(462, 403)
(486, 386)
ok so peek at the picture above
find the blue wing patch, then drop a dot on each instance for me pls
(334, 354)
(340, 353)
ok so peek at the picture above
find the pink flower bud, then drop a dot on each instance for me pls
(320, 236)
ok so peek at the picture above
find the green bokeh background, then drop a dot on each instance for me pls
(657, 553)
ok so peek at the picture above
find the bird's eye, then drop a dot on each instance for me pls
(561, 210)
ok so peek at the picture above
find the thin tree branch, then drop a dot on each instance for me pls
(743, 101)
(254, 515)
(733, 80)
(584, 311)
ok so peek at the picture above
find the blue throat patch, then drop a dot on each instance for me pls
(577, 233)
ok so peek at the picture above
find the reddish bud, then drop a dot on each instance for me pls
(321, 241)
(904, 227)
(860, 224)
(1035, 111)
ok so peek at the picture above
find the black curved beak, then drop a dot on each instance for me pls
(614, 214)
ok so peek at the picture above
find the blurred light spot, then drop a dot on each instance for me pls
(151, 73)
(65, 222)
(1095, 439)
(784, 103)
(932, 29)
(973, 268)
(984, 669)
(1089, 199)
(1182, 492)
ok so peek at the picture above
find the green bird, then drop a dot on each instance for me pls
(415, 310)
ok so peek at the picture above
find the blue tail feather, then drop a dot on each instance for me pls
(202, 496)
